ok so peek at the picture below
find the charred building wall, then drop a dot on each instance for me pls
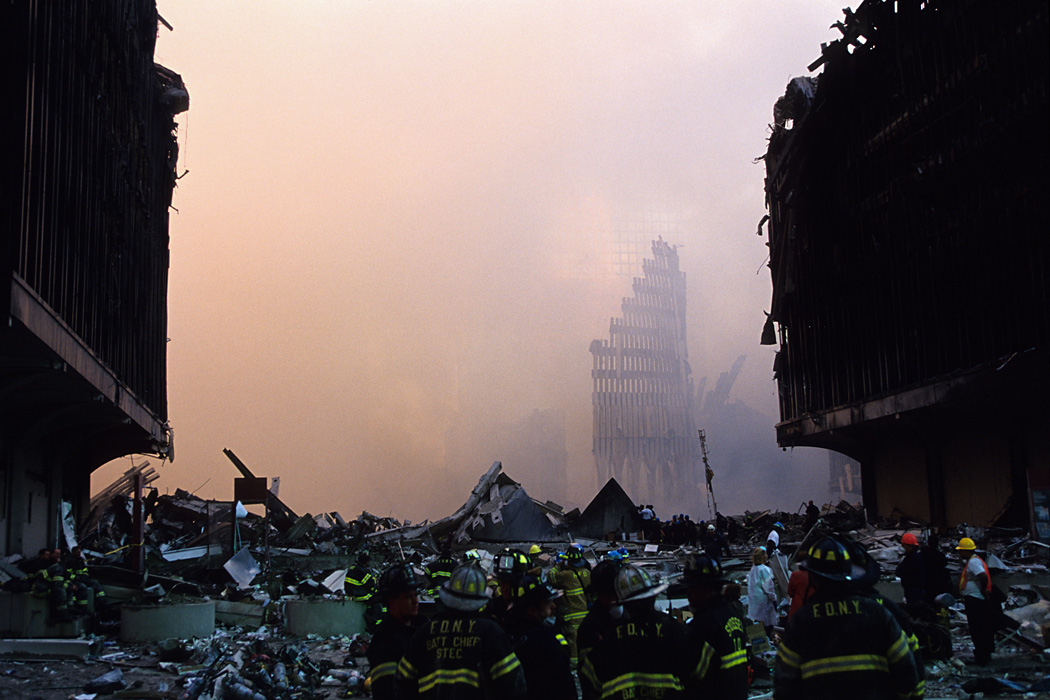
(644, 428)
(87, 138)
(910, 263)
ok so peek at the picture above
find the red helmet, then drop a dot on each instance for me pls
(908, 538)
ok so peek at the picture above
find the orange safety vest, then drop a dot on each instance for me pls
(987, 575)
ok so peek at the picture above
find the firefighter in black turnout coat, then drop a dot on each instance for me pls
(398, 589)
(717, 630)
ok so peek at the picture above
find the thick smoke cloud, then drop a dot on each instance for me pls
(392, 247)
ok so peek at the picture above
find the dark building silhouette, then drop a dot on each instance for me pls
(910, 259)
(644, 431)
(87, 139)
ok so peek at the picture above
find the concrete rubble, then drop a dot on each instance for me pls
(265, 575)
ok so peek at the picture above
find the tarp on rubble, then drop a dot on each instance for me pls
(506, 513)
(611, 510)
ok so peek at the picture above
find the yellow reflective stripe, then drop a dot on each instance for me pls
(898, 650)
(384, 670)
(505, 665)
(449, 676)
(734, 659)
(666, 681)
(573, 591)
(789, 657)
(575, 615)
(706, 655)
(844, 664)
(405, 669)
(913, 643)
(561, 640)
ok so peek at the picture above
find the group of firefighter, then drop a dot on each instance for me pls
(63, 580)
(523, 632)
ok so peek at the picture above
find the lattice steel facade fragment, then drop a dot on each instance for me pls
(644, 430)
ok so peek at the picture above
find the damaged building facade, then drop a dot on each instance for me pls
(644, 428)
(910, 263)
(87, 136)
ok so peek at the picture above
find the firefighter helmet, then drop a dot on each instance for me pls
(465, 590)
(531, 590)
(702, 569)
(512, 563)
(634, 583)
(399, 578)
(603, 576)
(829, 559)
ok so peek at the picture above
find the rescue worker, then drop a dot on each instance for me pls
(714, 544)
(717, 630)
(509, 568)
(761, 592)
(360, 579)
(982, 613)
(812, 516)
(841, 644)
(50, 582)
(83, 587)
(604, 614)
(439, 570)
(537, 566)
(935, 565)
(911, 571)
(544, 654)
(460, 654)
(647, 654)
(399, 590)
(773, 538)
(573, 579)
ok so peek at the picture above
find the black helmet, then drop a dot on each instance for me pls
(634, 583)
(603, 576)
(829, 559)
(701, 569)
(866, 569)
(512, 563)
(399, 578)
(532, 590)
(574, 555)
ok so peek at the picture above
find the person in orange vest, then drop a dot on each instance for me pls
(975, 587)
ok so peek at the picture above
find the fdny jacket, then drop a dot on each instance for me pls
(460, 656)
(389, 644)
(719, 634)
(644, 656)
(844, 646)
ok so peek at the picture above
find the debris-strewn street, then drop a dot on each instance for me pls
(268, 641)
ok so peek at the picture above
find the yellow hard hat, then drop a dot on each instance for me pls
(966, 545)
(534, 550)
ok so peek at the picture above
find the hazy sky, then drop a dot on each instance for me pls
(399, 212)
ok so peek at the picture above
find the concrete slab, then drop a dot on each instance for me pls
(152, 623)
(49, 648)
(328, 618)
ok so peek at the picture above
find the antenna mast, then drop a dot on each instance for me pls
(709, 473)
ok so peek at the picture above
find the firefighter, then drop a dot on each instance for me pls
(399, 590)
(509, 568)
(360, 579)
(439, 571)
(83, 587)
(543, 653)
(841, 644)
(604, 615)
(573, 578)
(717, 630)
(460, 654)
(646, 655)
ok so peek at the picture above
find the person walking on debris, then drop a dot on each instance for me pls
(544, 654)
(773, 538)
(982, 613)
(604, 615)
(399, 590)
(840, 644)
(717, 630)
(761, 594)
(573, 578)
(714, 544)
(812, 515)
(460, 654)
(646, 655)
(911, 571)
